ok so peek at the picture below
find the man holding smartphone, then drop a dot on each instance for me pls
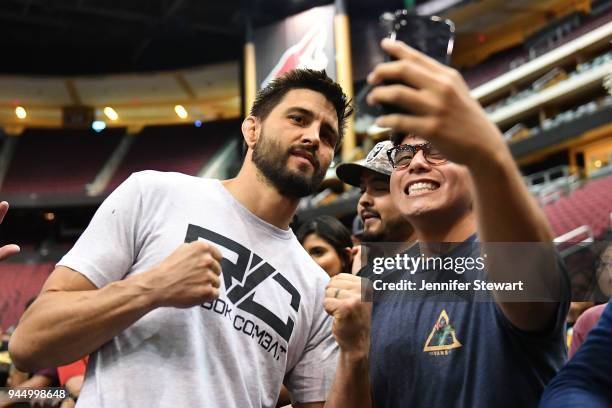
(457, 184)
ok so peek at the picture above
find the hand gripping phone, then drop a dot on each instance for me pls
(430, 35)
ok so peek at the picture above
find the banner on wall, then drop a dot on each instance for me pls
(305, 40)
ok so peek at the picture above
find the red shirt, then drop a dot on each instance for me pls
(71, 370)
(583, 326)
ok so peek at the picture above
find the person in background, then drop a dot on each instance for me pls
(585, 381)
(328, 242)
(381, 221)
(71, 377)
(583, 326)
(357, 230)
(589, 316)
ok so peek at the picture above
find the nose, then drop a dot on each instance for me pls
(418, 164)
(365, 200)
(312, 135)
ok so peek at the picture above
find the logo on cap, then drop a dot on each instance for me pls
(374, 152)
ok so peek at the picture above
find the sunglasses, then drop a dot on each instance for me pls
(401, 156)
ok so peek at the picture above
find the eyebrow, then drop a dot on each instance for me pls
(311, 115)
(375, 179)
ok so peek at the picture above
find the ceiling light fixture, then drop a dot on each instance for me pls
(111, 113)
(181, 112)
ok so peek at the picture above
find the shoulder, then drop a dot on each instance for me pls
(154, 177)
(304, 259)
(160, 182)
(589, 318)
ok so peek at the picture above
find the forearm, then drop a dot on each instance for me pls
(507, 213)
(351, 387)
(505, 210)
(62, 326)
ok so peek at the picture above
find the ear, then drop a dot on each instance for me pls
(250, 130)
(351, 252)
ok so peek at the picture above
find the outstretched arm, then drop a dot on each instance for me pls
(443, 111)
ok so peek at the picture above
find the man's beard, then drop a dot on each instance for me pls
(271, 161)
(394, 230)
(378, 236)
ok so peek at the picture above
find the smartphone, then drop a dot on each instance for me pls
(431, 35)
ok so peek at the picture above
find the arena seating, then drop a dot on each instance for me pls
(184, 149)
(509, 59)
(20, 283)
(45, 160)
(590, 205)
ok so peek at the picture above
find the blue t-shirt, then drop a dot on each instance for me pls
(447, 349)
(586, 380)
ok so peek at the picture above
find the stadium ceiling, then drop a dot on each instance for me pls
(81, 37)
(68, 37)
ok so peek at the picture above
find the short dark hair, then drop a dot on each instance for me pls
(333, 232)
(318, 81)
(397, 138)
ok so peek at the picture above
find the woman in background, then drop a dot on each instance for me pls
(328, 242)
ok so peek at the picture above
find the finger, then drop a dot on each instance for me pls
(347, 277)
(343, 284)
(8, 250)
(214, 293)
(4, 206)
(216, 253)
(401, 71)
(401, 50)
(424, 126)
(343, 293)
(331, 305)
(214, 266)
(402, 96)
(215, 281)
(339, 293)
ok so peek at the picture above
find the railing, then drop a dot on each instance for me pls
(567, 244)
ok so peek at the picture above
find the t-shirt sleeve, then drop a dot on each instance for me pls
(557, 326)
(108, 247)
(311, 378)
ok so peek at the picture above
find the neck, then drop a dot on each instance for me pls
(255, 193)
(401, 245)
(437, 230)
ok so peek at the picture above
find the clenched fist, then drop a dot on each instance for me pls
(343, 301)
(188, 277)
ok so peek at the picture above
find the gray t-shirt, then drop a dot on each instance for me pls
(268, 324)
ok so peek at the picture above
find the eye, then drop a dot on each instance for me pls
(297, 119)
(330, 137)
(380, 186)
(435, 155)
(317, 251)
(403, 158)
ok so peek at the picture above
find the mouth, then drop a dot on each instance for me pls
(304, 155)
(368, 215)
(421, 187)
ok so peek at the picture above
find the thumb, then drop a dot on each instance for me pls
(8, 250)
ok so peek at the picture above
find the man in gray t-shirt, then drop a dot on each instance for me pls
(194, 292)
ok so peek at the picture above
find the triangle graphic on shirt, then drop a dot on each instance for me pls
(442, 336)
